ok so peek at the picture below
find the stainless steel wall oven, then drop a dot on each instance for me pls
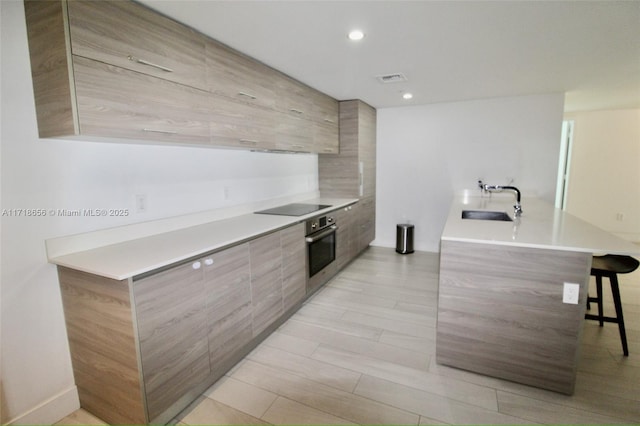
(321, 250)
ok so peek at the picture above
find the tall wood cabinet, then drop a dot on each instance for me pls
(144, 348)
(116, 70)
(352, 172)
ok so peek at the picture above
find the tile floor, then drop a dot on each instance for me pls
(362, 351)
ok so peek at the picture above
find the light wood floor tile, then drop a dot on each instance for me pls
(389, 352)
(418, 314)
(286, 412)
(241, 396)
(321, 334)
(81, 417)
(321, 397)
(295, 345)
(331, 292)
(422, 380)
(427, 421)
(321, 372)
(384, 291)
(399, 326)
(550, 413)
(432, 406)
(336, 324)
(210, 412)
(425, 345)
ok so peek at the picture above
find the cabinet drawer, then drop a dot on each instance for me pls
(131, 36)
(235, 123)
(115, 102)
(236, 76)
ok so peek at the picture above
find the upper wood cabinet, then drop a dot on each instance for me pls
(78, 96)
(119, 103)
(352, 173)
(236, 124)
(237, 76)
(112, 70)
(131, 36)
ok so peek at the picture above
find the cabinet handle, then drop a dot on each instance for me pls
(297, 111)
(327, 150)
(248, 95)
(196, 265)
(297, 146)
(327, 120)
(166, 132)
(208, 262)
(248, 141)
(151, 64)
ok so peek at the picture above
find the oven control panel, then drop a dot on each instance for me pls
(319, 223)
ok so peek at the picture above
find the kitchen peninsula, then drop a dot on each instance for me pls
(500, 303)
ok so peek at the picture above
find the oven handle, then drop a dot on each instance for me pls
(320, 235)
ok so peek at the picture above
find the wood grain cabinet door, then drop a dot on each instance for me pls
(236, 76)
(172, 332)
(294, 269)
(116, 102)
(266, 280)
(293, 133)
(345, 242)
(131, 36)
(228, 299)
(237, 124)
(366, 222)
(325, 116)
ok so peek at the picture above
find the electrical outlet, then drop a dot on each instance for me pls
(141, 203)
(571, 293)
(619, 217)
(226, 191)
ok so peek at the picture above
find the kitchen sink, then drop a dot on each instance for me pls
(486, 215)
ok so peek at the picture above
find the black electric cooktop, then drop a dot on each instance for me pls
(295, 209)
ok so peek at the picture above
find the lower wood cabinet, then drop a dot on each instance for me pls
(228, 299)
(266, 281)
(171, 314)
(144, 348)
(366, 222)
(346, 235)
(294, 265)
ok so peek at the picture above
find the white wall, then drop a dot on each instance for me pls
(426, 153)
(604, 179)
(37, 380)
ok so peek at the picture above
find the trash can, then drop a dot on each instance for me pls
(404, 238)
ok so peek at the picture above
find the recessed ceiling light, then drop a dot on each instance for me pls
(356, 35)
(407, 96)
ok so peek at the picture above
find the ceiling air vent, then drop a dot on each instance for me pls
(391, 78)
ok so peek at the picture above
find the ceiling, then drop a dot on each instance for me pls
(448, 50)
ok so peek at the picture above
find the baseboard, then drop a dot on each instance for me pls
(51, 410)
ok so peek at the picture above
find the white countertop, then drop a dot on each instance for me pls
(540, 226)
(130, 258)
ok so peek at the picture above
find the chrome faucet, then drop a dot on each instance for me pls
(497, 188)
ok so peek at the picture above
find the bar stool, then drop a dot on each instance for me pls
(610, 266)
